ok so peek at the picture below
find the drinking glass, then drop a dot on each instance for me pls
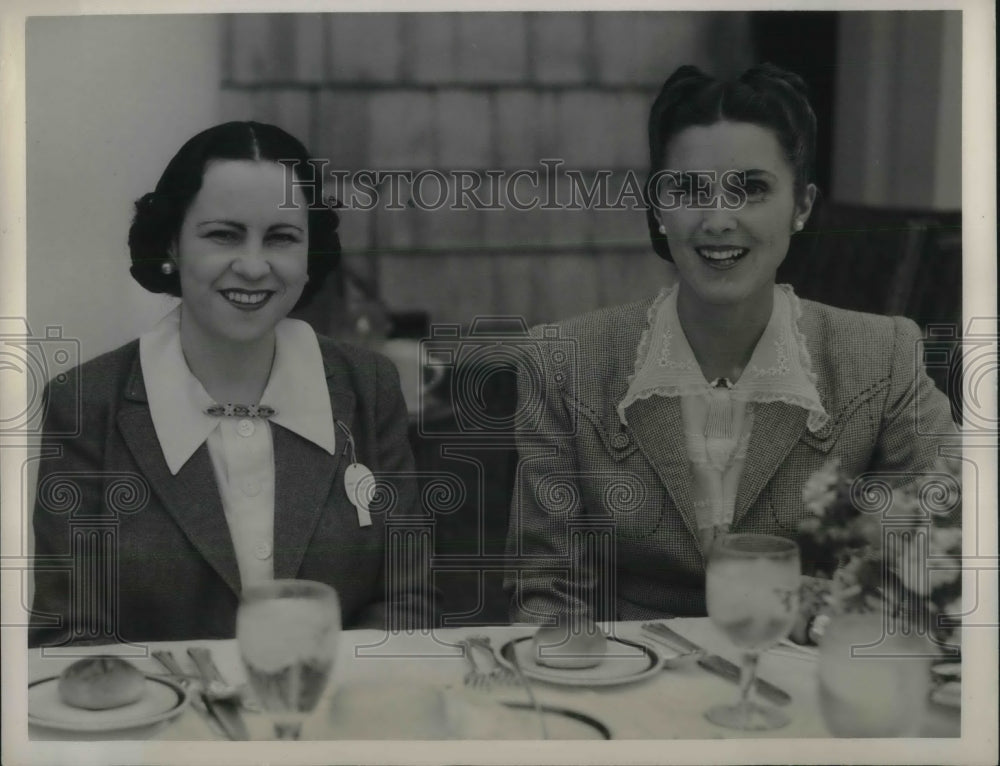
(752, 590)
(287, 632)
(874, 677)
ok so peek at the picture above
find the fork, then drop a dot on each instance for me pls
(477, 678)
(498, 673)
(502, 674)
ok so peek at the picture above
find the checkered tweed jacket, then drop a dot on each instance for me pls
(602, 517)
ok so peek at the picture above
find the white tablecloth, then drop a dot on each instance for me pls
(668, 705)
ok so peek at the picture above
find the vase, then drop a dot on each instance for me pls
(874, 675)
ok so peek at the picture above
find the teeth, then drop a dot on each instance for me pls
(249, 299)
(721, 255)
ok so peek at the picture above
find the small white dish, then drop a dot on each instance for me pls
(163, 700)
(624, 662)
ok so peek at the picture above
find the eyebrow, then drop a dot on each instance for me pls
(237, 225)
(760, 172)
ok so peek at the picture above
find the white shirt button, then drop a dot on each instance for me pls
(262, 551)
(245, 428)
(251, 487)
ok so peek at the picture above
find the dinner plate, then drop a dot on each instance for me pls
(163, 700)
(624, 662)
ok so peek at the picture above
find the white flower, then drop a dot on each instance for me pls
(945, 540)
(905, 504)
(821, 488)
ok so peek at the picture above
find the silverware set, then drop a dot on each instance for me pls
(221, 704)
(217, 701)
(713, 663)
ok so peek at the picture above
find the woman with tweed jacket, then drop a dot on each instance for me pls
(216, 451)
(670, 421)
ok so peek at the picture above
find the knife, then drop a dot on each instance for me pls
(226, 711)
(713, 663)
(168, 661)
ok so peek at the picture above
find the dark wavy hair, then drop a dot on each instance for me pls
(764, 95)
(160, 213)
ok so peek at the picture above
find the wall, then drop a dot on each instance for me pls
(480, 91)
(897, 140)
(109, 101)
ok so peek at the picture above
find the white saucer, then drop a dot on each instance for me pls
(162, 701)
(624, 662)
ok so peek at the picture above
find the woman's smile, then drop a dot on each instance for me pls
(247, 300)
(721, 257)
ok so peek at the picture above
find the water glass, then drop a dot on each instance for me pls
(287, 633)
(752, 591)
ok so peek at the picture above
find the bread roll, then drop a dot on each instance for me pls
(100, 683)
(559, 647)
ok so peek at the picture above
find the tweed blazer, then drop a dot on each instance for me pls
(603, 518)
(126, 551)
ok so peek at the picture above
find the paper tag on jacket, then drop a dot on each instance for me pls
(360, 484)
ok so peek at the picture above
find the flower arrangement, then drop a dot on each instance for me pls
(894, 548)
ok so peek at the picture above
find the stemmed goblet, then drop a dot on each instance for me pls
(287, 632)
(752, 590)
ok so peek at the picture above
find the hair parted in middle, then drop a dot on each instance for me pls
(160, 213)
(764, 95)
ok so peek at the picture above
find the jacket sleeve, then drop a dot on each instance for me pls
(550, 574)
(404, 597)
(69, 488)
(917, 427)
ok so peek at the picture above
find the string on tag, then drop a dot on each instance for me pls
(358, 479)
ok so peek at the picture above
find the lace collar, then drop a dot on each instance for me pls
(779, 369)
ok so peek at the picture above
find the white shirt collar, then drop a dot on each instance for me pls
(177, 400)
(779, 368)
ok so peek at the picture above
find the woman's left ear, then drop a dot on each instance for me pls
(804, 208)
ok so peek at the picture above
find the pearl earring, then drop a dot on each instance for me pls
(663, 229)
(167, 268)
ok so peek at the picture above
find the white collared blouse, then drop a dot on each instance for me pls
(718, 416)
(241, 448)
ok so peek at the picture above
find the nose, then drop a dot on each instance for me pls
(718, 220)
(251, 264)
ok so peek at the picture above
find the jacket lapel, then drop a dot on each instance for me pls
(658, 430)
(303, 479)
(192, 496)
(777, 427)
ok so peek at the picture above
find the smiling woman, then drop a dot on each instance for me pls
(704, 411)
(234, 427)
